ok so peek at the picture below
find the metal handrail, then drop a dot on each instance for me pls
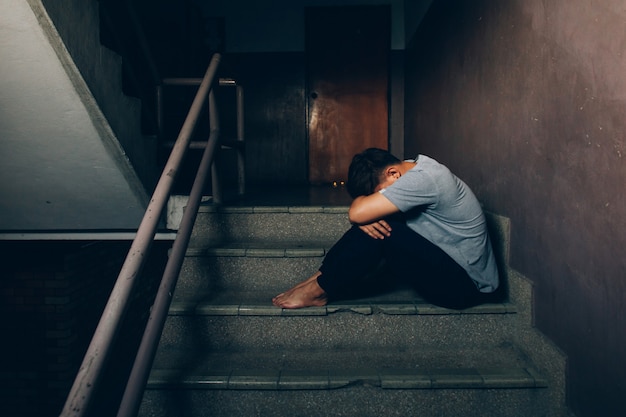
(91, 368)
(237, 144)
(147, 349)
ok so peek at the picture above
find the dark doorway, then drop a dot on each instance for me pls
(347, 52)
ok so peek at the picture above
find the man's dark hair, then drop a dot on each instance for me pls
(366, 170)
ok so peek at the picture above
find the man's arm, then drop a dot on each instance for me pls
(368, 209)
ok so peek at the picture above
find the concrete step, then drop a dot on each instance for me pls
(265, 266)
(359, 400)
(246, 321)
(236, 223)
(250, 265)
(350, 383)
(316, 356)
(315, 381)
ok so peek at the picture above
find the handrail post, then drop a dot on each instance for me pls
(241, 173)
(216, 190)
(159, 110)
(90, 370)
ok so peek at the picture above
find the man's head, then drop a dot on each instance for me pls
(367, 171)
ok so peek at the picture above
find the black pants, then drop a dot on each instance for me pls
(351, 268)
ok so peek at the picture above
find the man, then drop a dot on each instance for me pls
(418, 218)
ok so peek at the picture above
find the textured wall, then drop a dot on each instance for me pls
(525, 100)
(53, 294)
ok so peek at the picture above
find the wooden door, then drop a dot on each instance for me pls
(347, 83)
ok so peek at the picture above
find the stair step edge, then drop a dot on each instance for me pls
(327, 379)
(253, 209)
(252, 251)
(182, 308)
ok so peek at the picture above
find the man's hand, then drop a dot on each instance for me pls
(377, 230)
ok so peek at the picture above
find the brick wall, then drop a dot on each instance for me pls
(51, 298)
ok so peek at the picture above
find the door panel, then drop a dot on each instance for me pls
(347, 82)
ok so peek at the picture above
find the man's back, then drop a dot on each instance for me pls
(444, 210)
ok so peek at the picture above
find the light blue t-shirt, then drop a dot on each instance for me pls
(444, 210)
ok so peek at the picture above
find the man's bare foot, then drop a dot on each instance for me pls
(306, 294)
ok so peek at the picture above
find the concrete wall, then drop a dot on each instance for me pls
(77, 27)
(526, 101)
(278, 25)
(61, 168)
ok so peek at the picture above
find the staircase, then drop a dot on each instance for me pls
(226, 351)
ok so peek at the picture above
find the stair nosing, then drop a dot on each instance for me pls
(327, 379)
(259, 209)
(199, 308)
(281, 249)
